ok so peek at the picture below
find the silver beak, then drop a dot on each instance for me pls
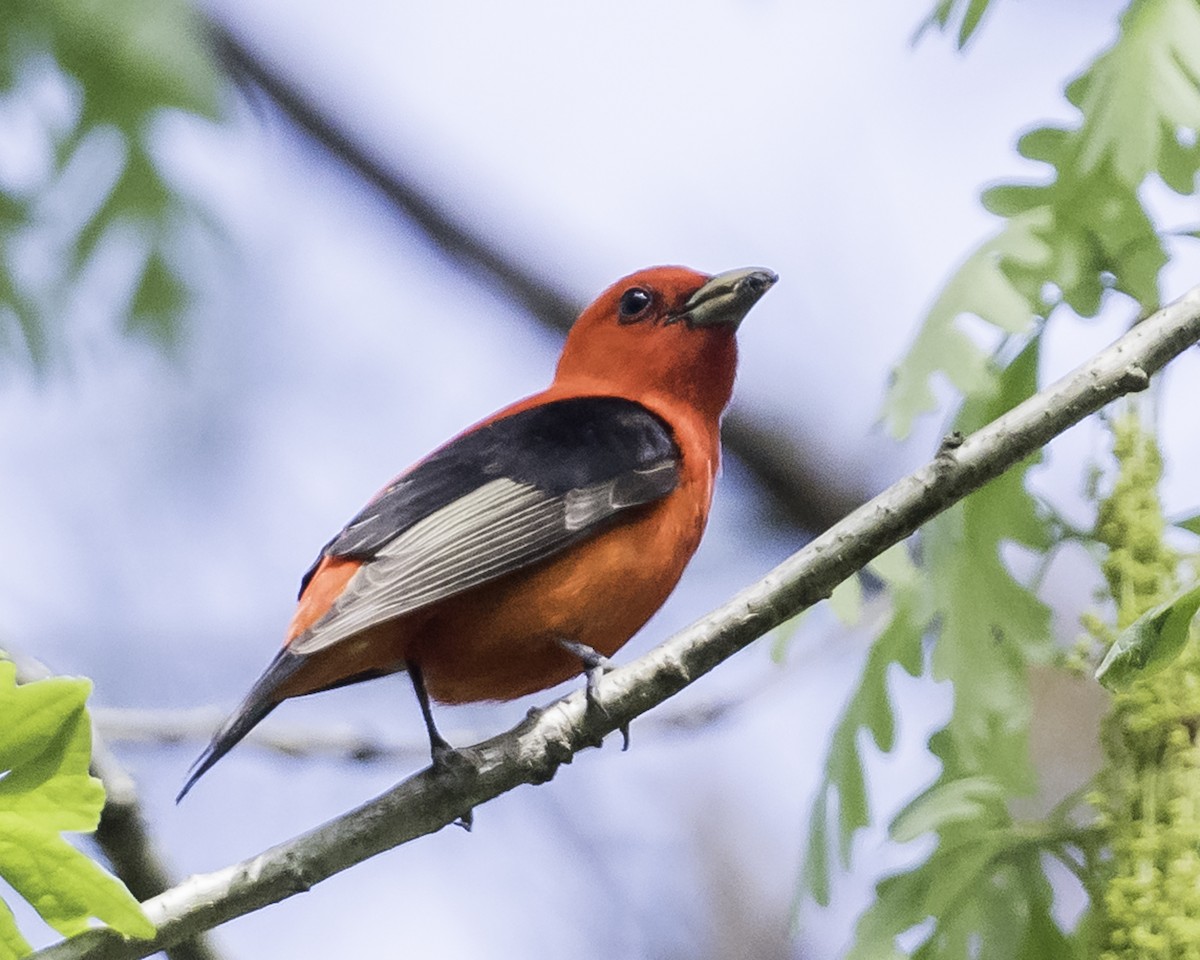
(727, 298)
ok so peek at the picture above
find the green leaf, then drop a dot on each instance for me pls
(1179, 159)
(950, 801)
(1095, 234)
(943, 12)
(983, 887)
(814, 874)
(45, 788)
(1137, 94)
(1086, 231)
(869, 708)
(158, 301)
(129, 60)
(133, 57)
(1050, 145)
(1190, 524)
(12, 944)
(991, 626)
(1151, 642)
(971, 19)
(980, 287)
(846, 600)
(907, 899)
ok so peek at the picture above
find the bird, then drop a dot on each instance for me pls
(529, 548)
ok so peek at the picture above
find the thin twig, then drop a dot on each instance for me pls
(782, 467)
(144, 727)
(533, 751)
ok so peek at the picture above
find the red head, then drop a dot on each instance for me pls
(666, 331)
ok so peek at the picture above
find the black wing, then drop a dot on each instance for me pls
(499, 498)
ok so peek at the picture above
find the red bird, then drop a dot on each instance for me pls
(531, 547)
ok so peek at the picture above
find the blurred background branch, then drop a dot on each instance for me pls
(783, 472)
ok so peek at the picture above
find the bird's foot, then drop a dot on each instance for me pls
(595, 666)
(451, 762)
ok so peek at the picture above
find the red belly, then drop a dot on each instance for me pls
(499, 641)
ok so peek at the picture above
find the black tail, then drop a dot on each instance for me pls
(258, 703)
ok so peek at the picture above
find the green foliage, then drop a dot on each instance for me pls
(1190, 524)
(979, 288)
(967, 13)
(983, 877)
(124, 61)
(991, 625)
(45, 788)
(983, 884)
(1139, 566)
(1140, 98)
(1153, 641)
(1147, 797)
(1066, 242)
(869, 709)
(1085, 231)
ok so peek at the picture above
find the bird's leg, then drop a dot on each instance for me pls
(595, 665)
(444, 756)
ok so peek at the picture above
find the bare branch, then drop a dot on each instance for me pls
(122, 833)
(126, 725)
(533, 751)
(798, 492)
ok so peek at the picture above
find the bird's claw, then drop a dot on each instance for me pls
(451, 762)
(595, 666)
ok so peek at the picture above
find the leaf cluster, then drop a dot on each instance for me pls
(962, 16)
(121, 63)
(959, 613)
(961, 618)
(45, 789)
(1084, 231)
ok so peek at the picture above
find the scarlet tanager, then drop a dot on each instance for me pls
(529, 548)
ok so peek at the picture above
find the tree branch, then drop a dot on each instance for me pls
(533, 751)
(798, 492)
(129, 725)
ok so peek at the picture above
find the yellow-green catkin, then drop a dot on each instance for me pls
(1147, 900)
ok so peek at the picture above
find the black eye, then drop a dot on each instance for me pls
(634, 302)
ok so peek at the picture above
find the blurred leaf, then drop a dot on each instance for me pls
(907, 899)
(971, 20)
(982, 891)
(132, 57)
(846, 600)
(1086, 230)
(1151, 642)
(814, 874)
(869, 708)
(45, 788)
(983, 888)
(1190, 524)
(1179, 160)
(972, 12)
(991, 625)
(1137, 94)
(979, 287)
(946, 802)
(1095, 235)
(128, 60)
(15, 311)
(156, 304)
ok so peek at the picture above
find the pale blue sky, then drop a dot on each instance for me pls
(160, 512)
